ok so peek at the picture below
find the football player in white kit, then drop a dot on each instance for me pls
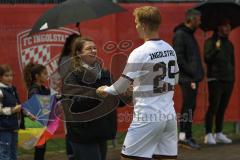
(153, 70)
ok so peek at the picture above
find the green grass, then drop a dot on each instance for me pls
(199, 131)
(54, 145)
(58, 145)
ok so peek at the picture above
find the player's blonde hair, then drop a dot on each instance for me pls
(148, 15)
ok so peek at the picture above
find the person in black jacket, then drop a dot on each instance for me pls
(88, 139)
(219, 57)
(10, 110)
(191, 73)
(35, 76)
(64, 57)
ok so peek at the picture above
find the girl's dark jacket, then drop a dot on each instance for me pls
(95, 131)
(9, 98)
(37, 89)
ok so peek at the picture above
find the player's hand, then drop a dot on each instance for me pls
(100, 91)
(17, 109)
(193, 85)
(129, 91)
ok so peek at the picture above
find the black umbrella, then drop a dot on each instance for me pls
(214, 11)
(74, 11)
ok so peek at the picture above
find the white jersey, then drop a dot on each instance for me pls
(153, 68)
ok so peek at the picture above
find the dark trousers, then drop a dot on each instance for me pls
(8, 145)
(40, 152)
(219, 96)
(69, 149)
(188, 108)
(94, 151)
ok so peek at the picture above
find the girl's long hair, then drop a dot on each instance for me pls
(67, 48)
(30, 71)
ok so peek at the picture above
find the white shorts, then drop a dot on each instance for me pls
(151, 140)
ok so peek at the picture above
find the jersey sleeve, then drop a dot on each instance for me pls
(176, 71)
(132, 70)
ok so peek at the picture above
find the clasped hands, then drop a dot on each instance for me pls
(102, 93)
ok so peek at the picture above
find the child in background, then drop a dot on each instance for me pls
(10, 115)
(36, 76)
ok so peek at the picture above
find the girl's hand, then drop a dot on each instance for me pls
(17, 109)
(31, 116)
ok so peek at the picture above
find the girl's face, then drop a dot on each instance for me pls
(42, 77)
(7, 78)
(89, 52)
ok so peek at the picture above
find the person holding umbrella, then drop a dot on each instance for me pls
(219, 57)
(191, 73)
(63, 70)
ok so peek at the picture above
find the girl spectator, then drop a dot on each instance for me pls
(88, 139)
(36, 76)
(10, 115)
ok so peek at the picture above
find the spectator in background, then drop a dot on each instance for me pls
(10, 112)
(191, 73)
(219, 57)
(64, 63)
(66, 56)
(36, 76)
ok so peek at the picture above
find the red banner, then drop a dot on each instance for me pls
(115, 37)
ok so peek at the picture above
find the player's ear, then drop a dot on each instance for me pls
(144, 27)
